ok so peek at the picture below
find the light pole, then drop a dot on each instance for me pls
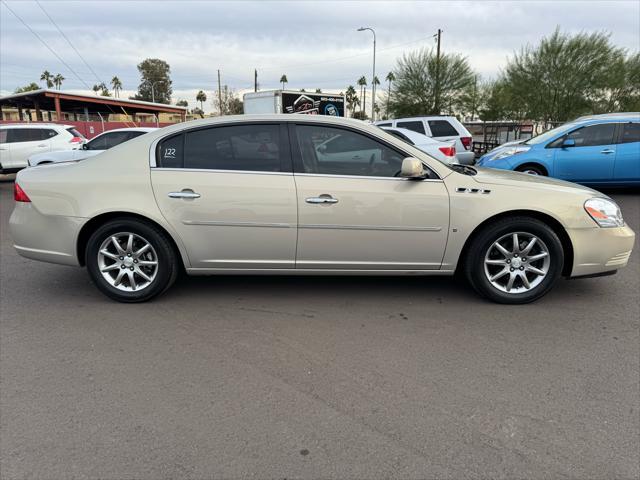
(153, 95)
(373, 81)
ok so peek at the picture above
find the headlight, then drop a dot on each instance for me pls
(605, 212)
(507, 152)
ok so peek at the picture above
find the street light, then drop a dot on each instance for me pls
(373, 81)
(153, 96)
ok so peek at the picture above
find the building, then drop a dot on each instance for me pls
(90, 114)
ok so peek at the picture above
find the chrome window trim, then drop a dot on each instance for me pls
(320, 226)
(211, 170)
(400, 179)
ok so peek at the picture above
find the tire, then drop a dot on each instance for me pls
(532, 170)
(490, 270)
(153, 268)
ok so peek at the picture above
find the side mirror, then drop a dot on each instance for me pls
(412, 168)
(85, 147)
(568, 142)
(322, 148)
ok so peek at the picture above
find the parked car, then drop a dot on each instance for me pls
(441, 128)
(21, 140)
(443, 151)
(96, 145)
(593, 150)
(186, 197)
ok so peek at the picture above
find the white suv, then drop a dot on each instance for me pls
(441, 128)
(21, 140)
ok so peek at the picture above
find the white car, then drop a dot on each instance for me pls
(443, 151)
(98, 144)
(442, 128)
(21, 140)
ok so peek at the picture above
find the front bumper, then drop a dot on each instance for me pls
(600, 250)
(48, 238)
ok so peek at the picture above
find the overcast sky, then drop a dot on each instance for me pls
(314, 43)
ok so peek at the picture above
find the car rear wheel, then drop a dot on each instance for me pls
(516, 260)
(131, 260)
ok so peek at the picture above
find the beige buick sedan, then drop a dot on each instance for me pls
(295, 194)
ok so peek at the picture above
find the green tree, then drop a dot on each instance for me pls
(362, 83)
(283, 80)
(390, 78)
(116, 84)
(155, 82)
(197, 111)
(622, 91)
(350, 98)
(182, 103)
(414, 92)
(27, 88)
(57, 80)
(47, 78)
(564, 75)
(201, 97)
(318, 90)
(96, 88)
(231, 104)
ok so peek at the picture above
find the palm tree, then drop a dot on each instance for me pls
(318, 90)
(104, 91)
(375, 81)
(57, 81)
(116, 84)
(201, 97)
(350, 96)
(48, 78)
(390, 78)
(284, 80)
(96, 88)
(362, 83)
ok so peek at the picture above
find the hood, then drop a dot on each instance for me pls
(491, 176)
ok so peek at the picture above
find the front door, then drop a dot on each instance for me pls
(361, 215)
(229, 193)
(627, 168)
(592, 158)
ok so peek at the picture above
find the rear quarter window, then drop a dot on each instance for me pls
(170, 153)
(442, 128)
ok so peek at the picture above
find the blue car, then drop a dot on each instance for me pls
(595, 150)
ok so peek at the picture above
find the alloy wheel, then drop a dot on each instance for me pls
(127, 261)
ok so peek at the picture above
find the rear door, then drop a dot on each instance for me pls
(355, 216)
(627, 165)
(229, 193)
(592, 158)
(24, 142)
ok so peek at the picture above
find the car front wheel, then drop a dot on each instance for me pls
(131, 260)
(515, 260)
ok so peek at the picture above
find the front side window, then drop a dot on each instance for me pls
(590, 136)
(239, 147)
(630, 133)
(115, 138)
(442, 128)
(415, 126)
(336, 151)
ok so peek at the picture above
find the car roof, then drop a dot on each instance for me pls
(609, 117)
(129, 129)
(36, 125)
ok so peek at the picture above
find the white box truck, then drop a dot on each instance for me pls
(283, 101)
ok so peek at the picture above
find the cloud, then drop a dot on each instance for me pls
(315, 43)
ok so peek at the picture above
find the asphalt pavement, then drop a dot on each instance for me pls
(326, 377)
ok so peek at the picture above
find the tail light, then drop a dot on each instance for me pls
(466, 142)
(19, 195)
(448, 151)
(76, 140)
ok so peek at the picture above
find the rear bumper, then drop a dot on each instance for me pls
(600, 250)
(48, 238)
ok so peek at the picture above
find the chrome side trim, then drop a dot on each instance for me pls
(397, 179)
(211, 170)
(44, 252)
(236, 224)
(369, 227)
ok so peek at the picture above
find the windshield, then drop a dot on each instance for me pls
(546, 136)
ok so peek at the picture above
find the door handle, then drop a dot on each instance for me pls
(41, 146)
(324, 198)
(607, 151)
(184, 194)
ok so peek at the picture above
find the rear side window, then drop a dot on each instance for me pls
(442, 128)
(16, 135)
(3, 136)
(74, 132)
(630, 133)
(47, 133)
(241, 147)
(416, 126)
